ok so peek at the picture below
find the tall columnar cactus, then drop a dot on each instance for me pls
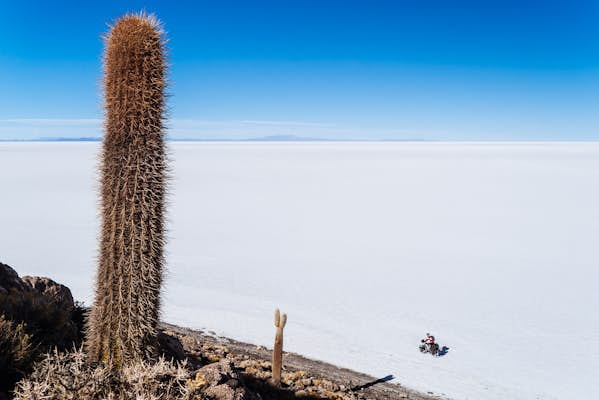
(277, 353)
(122, 326)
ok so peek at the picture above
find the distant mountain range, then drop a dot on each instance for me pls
(59, 139)
(273, 138)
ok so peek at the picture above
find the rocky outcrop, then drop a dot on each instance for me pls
(51, 291)
(54, 292)
(46, 316)
(9, 280)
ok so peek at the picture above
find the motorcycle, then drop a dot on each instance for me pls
(433, 349)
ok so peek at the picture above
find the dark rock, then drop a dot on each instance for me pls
(45, 307)
(9, 280)
(171, 346)
(55, 292)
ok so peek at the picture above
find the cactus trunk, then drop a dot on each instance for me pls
(277, 353)
(122, 326)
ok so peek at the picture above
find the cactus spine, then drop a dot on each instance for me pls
(122, 325)
(277, 353)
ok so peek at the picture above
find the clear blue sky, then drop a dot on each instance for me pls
(443, 70)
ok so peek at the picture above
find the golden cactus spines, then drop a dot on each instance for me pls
(122, 326)
(277, 352)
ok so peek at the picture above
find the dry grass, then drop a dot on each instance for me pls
(16, 352)
(69, 376)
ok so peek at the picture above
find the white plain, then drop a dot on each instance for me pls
(492, 247)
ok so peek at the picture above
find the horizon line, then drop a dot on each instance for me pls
(286, 138)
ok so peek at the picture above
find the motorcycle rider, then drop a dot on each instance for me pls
(429, 340)
(429, 344)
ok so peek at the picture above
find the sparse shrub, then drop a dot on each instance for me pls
(78, 316)
(69, 376)
(123, 321)
(16, 352)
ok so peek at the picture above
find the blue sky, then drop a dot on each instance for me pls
(436, 70)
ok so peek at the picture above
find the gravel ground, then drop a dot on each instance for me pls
(320, 379)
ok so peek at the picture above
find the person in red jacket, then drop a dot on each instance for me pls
(430, 339)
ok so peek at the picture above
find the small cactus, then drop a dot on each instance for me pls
(277, 353)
